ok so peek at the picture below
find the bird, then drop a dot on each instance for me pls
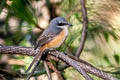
(52, 37)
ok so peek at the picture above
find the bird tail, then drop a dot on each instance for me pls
(39, 52)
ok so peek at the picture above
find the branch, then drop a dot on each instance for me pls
(39, 27)
(84, 29)
(47, 70)
(76, 63)
(70, 60)
(72, 63)
(52, 67)
(55, 70)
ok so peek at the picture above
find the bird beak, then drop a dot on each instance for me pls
(70, 25)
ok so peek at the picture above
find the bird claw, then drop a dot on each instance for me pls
(50, 49)
(57, 55)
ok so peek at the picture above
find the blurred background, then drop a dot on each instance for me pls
(22, 21)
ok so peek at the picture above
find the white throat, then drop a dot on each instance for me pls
(66, 30)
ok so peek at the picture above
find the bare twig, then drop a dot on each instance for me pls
(34, 68)
(84, 29)
(47, 70)
(39, 27)
(76, 66)
(55, 70)
(65, 58)
(49, 57)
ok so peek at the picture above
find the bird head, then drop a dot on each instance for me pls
(60, 22)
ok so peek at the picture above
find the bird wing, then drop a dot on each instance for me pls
(40, 42)
(44, 39)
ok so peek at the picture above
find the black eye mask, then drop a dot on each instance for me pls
(62, 24)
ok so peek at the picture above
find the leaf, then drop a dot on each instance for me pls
(22, 10)
(2, 5)
(106, 36)
(106, 59)
(16, 67)
(116, 58)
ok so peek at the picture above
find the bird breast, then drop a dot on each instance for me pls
(59, 39)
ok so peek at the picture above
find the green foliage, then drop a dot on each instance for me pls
(16, 67)
(117, 58)
(68, 6)
(71, 74)
(98, 48)
(23, 10)
(27, 60)
(107, 60)
(2, 4)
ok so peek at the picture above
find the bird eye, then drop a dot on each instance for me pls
(62, 23)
